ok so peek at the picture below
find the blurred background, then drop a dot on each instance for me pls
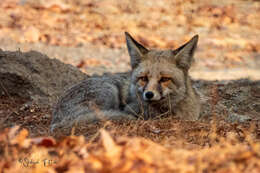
(89, 34)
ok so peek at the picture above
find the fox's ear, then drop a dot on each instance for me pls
(184, 54)
(135, 50)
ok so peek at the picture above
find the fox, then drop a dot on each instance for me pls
(158, 85)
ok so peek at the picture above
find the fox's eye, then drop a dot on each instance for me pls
(143, 78)
(165, 79)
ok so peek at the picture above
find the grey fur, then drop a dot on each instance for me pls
(120, 96)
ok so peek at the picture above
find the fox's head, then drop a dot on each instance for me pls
(157, 74)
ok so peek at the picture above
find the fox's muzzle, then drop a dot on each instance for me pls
(150, 96)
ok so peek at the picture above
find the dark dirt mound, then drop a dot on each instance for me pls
(35, 77)
(233, 100)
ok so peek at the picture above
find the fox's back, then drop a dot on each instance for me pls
(106, 91)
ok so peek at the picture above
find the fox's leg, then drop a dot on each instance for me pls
(91, 117)
(103, 115)
(138, 110)
(132, 109)
(89, 101)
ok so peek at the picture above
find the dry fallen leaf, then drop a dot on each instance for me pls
(44, 141)
(113, 151)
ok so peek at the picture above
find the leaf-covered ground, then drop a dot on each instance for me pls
(90, 35)
(229, 31)
(136, 147)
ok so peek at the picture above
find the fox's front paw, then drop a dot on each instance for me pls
(132, 109)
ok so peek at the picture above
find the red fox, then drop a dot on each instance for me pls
(158, 85)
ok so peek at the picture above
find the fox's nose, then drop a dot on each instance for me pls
(149, 95)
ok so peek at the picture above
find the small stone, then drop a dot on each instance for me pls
(46, 116)
(25, 106)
